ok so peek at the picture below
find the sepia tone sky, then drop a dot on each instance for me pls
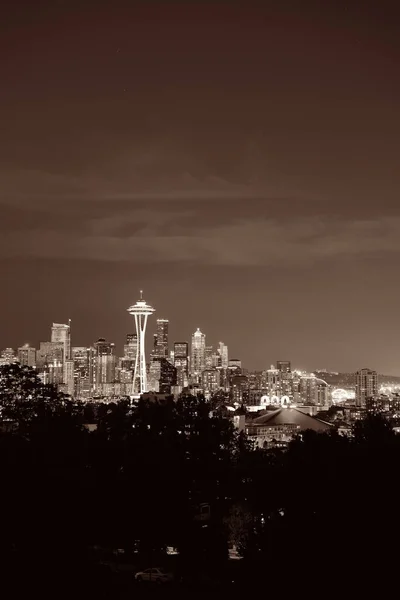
(239, 161)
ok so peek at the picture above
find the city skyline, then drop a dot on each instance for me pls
(121, 345)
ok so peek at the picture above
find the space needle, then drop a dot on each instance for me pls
(141, 310)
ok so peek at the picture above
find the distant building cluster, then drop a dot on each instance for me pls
(194, 366)
(96, 372)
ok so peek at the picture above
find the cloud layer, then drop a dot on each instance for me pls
(193, 234)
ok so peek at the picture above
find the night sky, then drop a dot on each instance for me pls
(237, 161)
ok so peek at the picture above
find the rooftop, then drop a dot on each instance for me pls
(291, 416)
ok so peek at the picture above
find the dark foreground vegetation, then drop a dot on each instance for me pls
(320, 518)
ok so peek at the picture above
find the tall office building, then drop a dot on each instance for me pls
(69, 377)
(198, 354)
(162, 375)
(208, 357)
(285, 369)
(61, 334)
(366, 386)
(162, 337)
(83, 358)
(181, 363)
(48, 353)
(27, 356)
(104, 363)
(223, 353)
(131, 347)
(211, 380)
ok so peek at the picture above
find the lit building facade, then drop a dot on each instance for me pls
(27, 356)
(48, 353)
(366, 386)
(161, 345)
(181, 363)
(211, 379)
(209, 357)
(104, 363)
(61, 334)
(198, 355)
(7, 356)
(83, 359)
(223, 353)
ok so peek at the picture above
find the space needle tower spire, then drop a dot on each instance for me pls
(141, 310)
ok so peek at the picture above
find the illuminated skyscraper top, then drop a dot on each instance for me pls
(140, 311)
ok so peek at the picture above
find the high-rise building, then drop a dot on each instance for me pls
(162, 337)
(181, 363)
(223, 353)
(104, 363)
(55, 371)
(61, 334)
(7, 356)
(130, 348)
(162, 375)
(83, 358)
(27, 355)
(211, 379)
(69, 379)
(198, 350)
(208, 357)
(140, 311)
(48, 353)
(313, 391)
(366, 386)
(240, 389)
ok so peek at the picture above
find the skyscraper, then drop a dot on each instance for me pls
(223, 352)
(366, 386)
(140, 311)
(27, 356)
(181, 363)
(130, 348)
(104, 363)
(48, 353)
(198, 350)
(61, 334)
(162, 337)
(83, 358)
(208, 357)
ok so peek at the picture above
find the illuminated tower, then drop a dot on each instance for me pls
(141, 310)
(162, 337)
(198, 354)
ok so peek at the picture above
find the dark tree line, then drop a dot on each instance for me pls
(327, 506)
